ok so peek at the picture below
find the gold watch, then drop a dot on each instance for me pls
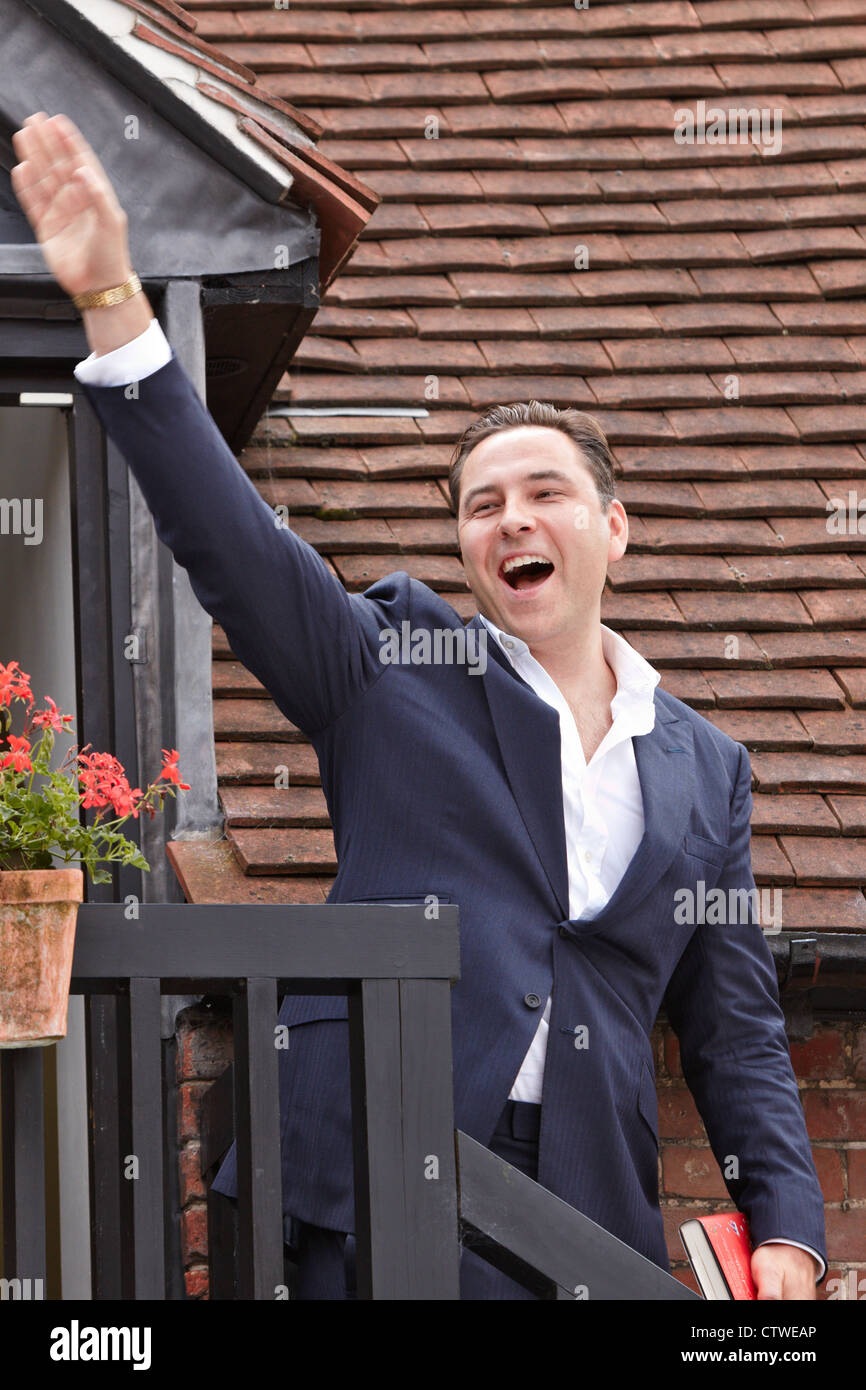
(97, 299)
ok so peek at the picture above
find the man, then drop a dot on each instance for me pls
(552, 791)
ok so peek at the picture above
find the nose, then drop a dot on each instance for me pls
(516, 516)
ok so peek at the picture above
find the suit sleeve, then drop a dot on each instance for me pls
(723, 1003)
(287, 617)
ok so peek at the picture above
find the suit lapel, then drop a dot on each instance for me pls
(665, 762)
(527, 730)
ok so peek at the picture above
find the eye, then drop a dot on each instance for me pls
(549, 492)
(480, 507)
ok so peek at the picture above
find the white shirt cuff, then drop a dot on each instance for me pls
(780, 1240)
(140, 357)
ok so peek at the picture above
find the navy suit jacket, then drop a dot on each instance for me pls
(443, 781)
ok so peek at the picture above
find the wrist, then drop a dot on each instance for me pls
(110, 326)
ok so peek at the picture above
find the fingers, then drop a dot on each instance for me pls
(28, 146)
(77, 152)
(37, 179)
(52, 148)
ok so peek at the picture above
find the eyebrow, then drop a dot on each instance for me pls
(538, 475)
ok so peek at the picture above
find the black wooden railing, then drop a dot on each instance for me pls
(396, 967)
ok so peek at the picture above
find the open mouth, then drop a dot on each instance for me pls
(525, 574)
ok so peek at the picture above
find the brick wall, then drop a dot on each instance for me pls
(204, 1050)
(831, 1070)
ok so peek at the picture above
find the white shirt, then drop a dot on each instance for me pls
(602, 800)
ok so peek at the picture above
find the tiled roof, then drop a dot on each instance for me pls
(715, 325)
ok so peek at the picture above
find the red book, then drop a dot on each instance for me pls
(720, 1254)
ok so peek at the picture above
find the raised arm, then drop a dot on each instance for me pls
(288, 619)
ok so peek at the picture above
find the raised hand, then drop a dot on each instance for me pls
(70, 204)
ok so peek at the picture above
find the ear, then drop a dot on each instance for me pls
(618, 527)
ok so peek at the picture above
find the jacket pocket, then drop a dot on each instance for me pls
(647, 1100)
(699, 847)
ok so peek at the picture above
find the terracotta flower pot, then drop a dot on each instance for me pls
(38, 912)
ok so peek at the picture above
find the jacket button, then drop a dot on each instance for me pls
(564, 933)
(532, 1001)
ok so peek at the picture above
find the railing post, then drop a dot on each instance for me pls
(403, 1135)
(257, 1118)
(23, 1164)
(103, 1144)
(381, 1257)
(429, 1158)
(145, 1073)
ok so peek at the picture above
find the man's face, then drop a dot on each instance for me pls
(527, 491)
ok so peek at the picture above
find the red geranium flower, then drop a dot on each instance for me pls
(18, 757)
(14, 684)
(50, 718)
(104, 781)
(170, 771)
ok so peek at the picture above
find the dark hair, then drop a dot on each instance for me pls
(586, 433)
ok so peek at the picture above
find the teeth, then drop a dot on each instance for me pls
(524, 560)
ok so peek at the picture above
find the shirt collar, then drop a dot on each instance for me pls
(636, 679)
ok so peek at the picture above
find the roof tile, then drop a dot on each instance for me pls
(284, 851)
(556, 355)
(671, 461)
(835, 732)
(330, 388)
(794, 772)
(789, 497)
(852, 681)
(835, 607)
(716, 317)
(838, 649)
(813, 41)
(796, 571)
(733, 424)
(819, 423)
(790, 77)
(751, 353)
(746, 14)
(679, 80)
(258, 763)
(797, 815)
(728, 612)
(259, 808)
(769, 864)
(544, 84)
(763, 729)
(818, 860)
(850, 812)
(725, 46)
